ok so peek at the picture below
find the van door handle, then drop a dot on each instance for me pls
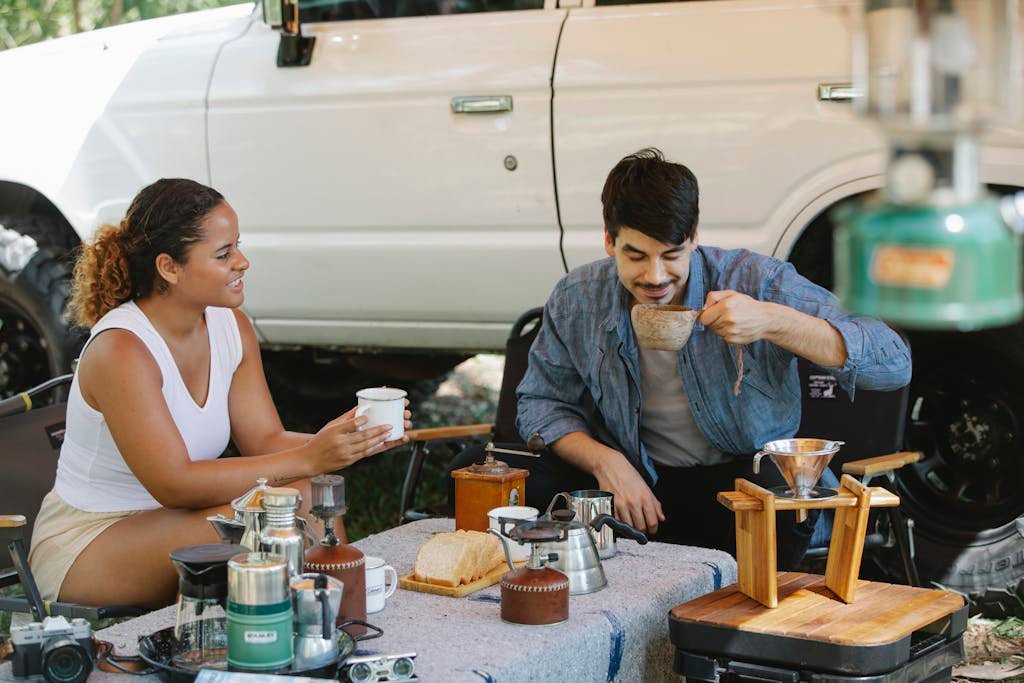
(481, 104)
(838, 92)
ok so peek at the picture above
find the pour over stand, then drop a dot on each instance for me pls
(755, 509)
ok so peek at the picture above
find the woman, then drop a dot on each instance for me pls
(170, 372)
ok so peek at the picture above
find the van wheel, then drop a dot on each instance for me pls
(966, 496)
(35, 341)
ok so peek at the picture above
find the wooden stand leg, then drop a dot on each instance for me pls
(847, 546)
(755, 546)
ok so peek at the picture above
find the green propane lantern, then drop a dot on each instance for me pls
(935, 250)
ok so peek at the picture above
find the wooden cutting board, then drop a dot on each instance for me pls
(409, 583)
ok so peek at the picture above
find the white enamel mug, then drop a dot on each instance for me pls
(378, 587)
(383, 406)
(519, 553)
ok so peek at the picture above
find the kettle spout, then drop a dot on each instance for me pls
(504, 545)
(229, 530)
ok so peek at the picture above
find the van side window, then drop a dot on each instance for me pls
(312, 11)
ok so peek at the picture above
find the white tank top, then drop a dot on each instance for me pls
(91, 474)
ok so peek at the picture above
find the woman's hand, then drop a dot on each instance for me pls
(340, 443)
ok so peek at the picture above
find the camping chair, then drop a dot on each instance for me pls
(502, 430)
(872, 427)
(32, 436)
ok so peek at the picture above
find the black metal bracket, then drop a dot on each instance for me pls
(294, 49)
(19, 559)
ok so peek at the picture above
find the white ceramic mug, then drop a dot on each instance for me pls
(383, 406)
(378, 588)
(519, 553)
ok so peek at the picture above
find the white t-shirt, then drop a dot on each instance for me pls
(667, 427)
(91, 474)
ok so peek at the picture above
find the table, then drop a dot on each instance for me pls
(618, 633)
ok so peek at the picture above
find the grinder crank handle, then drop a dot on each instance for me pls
(622, 530)
(535, 445)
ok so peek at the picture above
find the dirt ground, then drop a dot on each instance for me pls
(995, 652)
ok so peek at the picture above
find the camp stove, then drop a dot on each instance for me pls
(338, 560)
(534, 594)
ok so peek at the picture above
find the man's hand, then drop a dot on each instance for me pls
(635, 503)
(737, 318)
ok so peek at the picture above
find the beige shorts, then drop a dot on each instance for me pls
(60, 534)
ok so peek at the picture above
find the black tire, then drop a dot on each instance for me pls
(967, 496)
(45, 230)
(36, 343)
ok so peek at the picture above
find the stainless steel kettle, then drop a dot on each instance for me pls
(578, 556)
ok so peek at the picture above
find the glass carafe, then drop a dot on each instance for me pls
(200, 625)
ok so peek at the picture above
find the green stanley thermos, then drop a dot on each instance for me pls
(259, 613)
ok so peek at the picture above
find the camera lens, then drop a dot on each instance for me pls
(360, 672)
(65, 661)
(402, 668)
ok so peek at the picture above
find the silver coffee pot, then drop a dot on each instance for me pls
(249, 518)
(247, 527)
(316, 599)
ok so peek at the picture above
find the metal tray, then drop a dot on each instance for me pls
(162, 651)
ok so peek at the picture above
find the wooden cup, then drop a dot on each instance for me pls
(662, 327)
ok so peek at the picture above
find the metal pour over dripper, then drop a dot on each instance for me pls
(801, 462)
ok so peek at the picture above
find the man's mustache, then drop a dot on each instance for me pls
(663, 285)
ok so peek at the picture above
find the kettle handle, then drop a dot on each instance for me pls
(562, 494)
(622, 529)
(377, 630)
(504, 546)
(757, 461)
(327, 619)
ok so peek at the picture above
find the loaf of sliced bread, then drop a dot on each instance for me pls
(456, 557)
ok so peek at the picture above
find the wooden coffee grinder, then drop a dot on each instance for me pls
(334, 558)
(481, 487)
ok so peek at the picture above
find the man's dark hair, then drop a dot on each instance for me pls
(657, 197)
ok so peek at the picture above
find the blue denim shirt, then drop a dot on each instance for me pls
(584, 372)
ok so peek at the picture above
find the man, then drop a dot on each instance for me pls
(663, 430)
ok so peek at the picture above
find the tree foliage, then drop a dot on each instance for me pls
(28, 21)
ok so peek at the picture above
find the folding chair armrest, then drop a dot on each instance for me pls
(11, 521)
(869, 467)
(455, 432)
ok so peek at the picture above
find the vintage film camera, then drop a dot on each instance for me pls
(61, 651)
(375, 668)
